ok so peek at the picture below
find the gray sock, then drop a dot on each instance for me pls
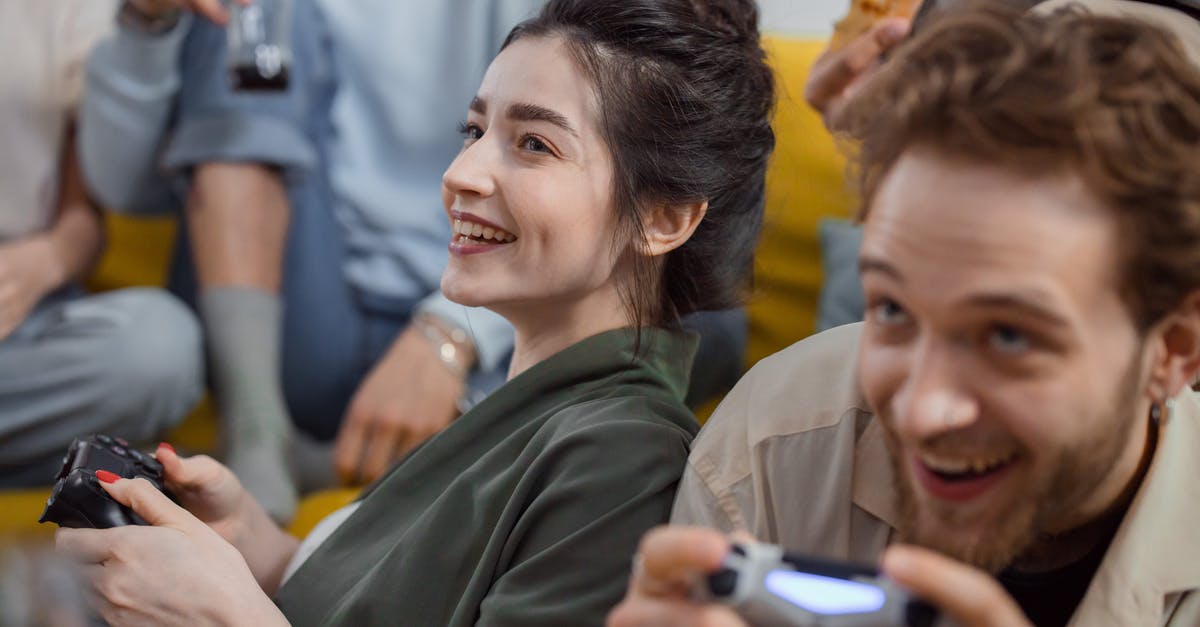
(242, 329)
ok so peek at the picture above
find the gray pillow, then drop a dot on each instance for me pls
(841, 289)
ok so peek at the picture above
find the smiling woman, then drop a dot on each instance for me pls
(610, 180)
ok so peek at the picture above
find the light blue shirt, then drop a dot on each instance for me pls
(405, 73)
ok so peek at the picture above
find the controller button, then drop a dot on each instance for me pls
(723, 582)
(104, 439)
(120, 451)
(122, 442)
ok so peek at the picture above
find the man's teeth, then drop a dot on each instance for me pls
(479, 231)
(976, 465)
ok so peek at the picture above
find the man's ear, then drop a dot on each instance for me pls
(1177, 361)
(667, 226)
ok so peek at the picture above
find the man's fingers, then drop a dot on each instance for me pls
(676, 555)
(836, 71)
(146, 501)
(86, 546)
(968, 595)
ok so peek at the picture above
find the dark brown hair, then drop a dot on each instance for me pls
(685, 102)
(1112, 100)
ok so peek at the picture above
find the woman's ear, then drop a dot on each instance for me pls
(1177, 360)
(667, 226)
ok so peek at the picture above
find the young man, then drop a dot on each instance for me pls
(1011, 430)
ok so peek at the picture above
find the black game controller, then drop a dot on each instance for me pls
(78, 501)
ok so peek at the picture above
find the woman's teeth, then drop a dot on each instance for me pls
(472, 230)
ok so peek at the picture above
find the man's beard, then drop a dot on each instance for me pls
(1049, 499)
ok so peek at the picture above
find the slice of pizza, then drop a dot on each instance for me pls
(866, 13)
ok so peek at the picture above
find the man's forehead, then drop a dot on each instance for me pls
(954, 226)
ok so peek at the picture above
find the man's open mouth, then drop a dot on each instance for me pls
(953, 478)
(965, 468)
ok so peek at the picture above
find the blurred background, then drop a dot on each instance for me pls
(805, 18)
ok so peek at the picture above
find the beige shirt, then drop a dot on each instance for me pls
(794, 456)
(45, 44)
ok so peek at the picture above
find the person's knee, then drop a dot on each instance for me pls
(157, 360)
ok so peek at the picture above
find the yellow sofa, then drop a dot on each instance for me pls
(806, 183)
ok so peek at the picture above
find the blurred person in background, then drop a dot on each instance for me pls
(126, 362)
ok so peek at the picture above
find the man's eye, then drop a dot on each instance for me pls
(888, 312)
(469, 131)
(533, 144)
(1008, 339)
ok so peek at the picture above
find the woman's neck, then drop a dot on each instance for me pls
(545, 328)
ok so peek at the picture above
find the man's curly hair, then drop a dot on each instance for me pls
(1114, 101)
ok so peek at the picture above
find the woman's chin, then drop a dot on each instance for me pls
(458, 292)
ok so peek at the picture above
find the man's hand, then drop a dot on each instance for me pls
(971, 597)
(669, 561)
(407, 398)
(837, 76)
(29, 269)
(177, 571)
(158, 9)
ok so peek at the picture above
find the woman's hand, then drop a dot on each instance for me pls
(178, 571)
(213, 494)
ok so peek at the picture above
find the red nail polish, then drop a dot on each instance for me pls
(106, 476)
(167, 446)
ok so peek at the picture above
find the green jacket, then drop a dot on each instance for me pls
(527, 509)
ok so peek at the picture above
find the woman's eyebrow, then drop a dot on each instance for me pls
(527, 112)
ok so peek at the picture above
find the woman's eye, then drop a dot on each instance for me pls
(533, 144)
(469, 131)
(888, 312)
(1008, 339)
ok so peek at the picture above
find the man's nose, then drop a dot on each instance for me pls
(934, 398)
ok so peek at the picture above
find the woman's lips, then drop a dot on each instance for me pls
(473, 235)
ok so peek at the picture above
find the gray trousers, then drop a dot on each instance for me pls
(127, 363)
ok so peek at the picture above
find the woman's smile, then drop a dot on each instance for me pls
(473, 235)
